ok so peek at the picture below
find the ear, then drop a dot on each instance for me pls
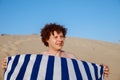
(47, 40)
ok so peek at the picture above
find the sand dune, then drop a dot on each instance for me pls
(89, 50)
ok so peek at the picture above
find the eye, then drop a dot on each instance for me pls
(55, 37)
(61, 36)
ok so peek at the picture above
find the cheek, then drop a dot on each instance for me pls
(52, 41)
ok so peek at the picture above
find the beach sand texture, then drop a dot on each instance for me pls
(84, 49)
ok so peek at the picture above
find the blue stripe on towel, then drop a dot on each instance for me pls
(87, 70)
(101, 72)
(96, 71)
(9, 58)
(50, 68)
(23, 68)
(13, 66)
(77, 70)
(36, 68)
(65, 75)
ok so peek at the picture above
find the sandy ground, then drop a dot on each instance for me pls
(89, 50)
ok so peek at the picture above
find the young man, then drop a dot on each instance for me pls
(53, 36)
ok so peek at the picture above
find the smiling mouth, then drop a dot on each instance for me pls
(60, 44)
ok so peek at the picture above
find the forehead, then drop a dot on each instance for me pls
(54, 33)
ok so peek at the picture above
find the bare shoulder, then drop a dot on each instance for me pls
(44, 52)
(69, 55)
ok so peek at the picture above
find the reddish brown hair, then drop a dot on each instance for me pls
(50, 28)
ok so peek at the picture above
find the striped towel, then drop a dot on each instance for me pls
(44, 67)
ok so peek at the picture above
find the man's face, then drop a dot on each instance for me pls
(56, 41)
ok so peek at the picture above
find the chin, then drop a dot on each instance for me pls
(59, 48)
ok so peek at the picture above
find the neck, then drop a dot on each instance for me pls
(54, 52)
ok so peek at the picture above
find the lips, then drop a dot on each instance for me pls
(59, 44)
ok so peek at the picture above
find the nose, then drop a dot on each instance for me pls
(61, 38)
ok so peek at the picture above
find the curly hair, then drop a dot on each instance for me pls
(50, 28)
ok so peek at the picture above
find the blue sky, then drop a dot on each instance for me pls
(92, 19)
